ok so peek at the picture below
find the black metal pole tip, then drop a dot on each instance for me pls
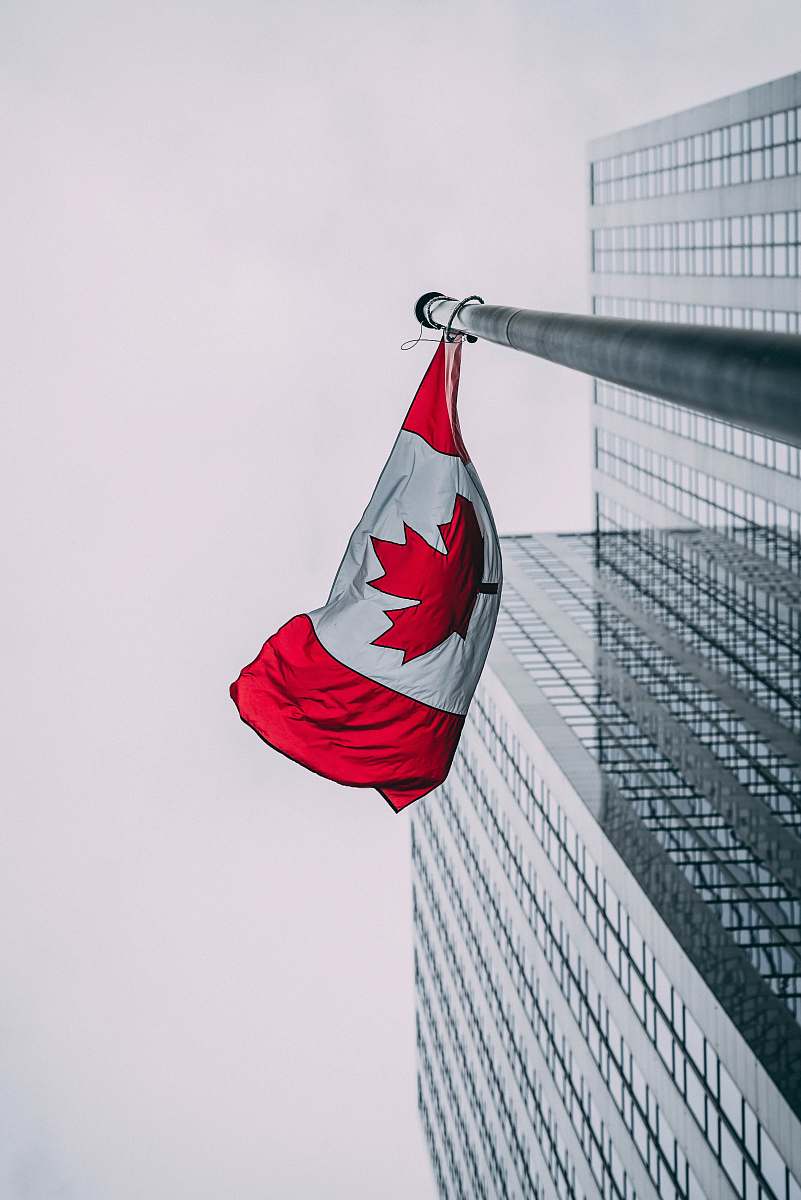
(421, 308)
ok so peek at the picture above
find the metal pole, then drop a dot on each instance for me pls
(750, 379)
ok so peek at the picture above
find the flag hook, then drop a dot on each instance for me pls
(449, 335)
(421, 313)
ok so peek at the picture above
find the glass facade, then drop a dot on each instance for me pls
(744, 152)
(701, 429)
(502, 876)
(762, 244)
(765, 526)
(607, 889)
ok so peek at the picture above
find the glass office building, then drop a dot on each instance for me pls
(607, 890)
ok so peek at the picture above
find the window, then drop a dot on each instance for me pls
(713, 159)
(766, 244)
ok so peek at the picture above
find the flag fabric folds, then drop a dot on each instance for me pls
(372, 689)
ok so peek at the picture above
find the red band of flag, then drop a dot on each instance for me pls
(306, 704)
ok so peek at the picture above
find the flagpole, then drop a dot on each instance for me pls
(748, 378)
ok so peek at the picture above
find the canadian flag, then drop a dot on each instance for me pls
(372, 689)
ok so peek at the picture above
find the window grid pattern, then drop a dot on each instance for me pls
(471, 1017)
(744, 152)
(724, 1116)
(759, 583)
(761, 245)
(765, 773)
(450, 1114)
(455, 1099)
(756, 649)
(452, 1020)
(634, 1100)
(705, 431)
(724, 872)
(425, 1115)
(765, 527)
(543, 1024)
(761, 770)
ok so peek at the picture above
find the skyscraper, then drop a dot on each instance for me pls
(607, 890)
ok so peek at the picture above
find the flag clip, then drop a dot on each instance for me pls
(449, 336)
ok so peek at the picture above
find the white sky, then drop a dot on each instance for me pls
(215, 220)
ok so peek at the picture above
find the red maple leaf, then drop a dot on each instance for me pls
(445, 585)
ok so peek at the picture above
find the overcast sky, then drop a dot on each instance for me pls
(215, 220)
